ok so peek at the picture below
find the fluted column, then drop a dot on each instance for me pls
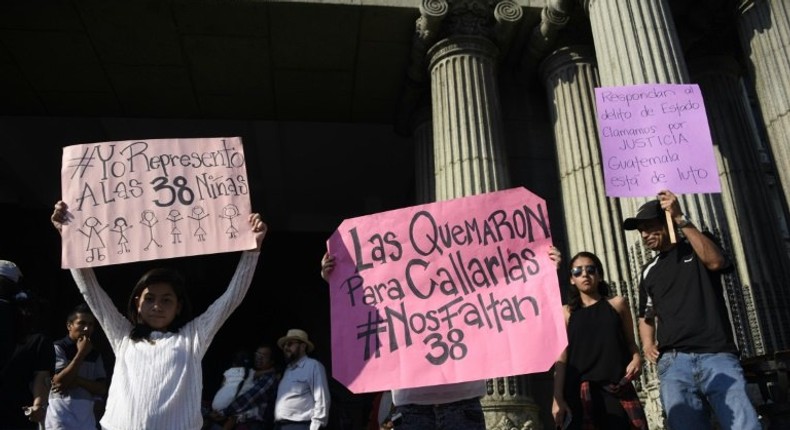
(636, 43)
(467, 132)
(425, 181)
(764, 28)
(747, 203)
(468, 139)
(469, 159)
(570, 75)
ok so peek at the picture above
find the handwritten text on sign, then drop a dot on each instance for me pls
(464, 285)
(654, 137)
(150, 199)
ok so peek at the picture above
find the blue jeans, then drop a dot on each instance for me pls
(691, 382)
(460, 415)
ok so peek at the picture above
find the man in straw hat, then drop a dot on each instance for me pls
(696, 356)
(303, 394)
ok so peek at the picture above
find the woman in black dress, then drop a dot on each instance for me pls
(592, 377)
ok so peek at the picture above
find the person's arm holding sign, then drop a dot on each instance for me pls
(160, 344)
(112, 322)
(327, 265)
(708, 252)
(116, 326)
(652, 232)
(559, 408)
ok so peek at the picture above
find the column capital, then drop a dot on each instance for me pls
(543, 36)
(432, 13)
(473, 45)
(507, 14)
(493, 19)
(470, 17)
(496, 20)
(566, 56)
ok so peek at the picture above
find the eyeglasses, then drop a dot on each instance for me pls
(577, 271)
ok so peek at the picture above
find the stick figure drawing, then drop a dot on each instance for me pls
(95, 242)
(148, 219)
(119, 227)
(229, 212)
(198, 214)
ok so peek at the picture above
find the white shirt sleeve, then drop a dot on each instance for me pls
(113, 323)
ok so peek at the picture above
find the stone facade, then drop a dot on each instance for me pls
(459, 52)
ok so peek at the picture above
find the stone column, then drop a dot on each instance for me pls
(636, 42)
(423, 152)
(747, 204)
(467, 131)
(764, 28)
(570, 75)
(468, 142)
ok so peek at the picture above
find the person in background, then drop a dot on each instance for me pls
(381, 411)
(439, 407)
(303, 397)
(681, 293)
(157, 380)
(253, 408)
(27, 358)
(592, 377)
(79, 375)
(234, 380)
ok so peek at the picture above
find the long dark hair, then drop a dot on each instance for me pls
(171, 277)
(574, 296)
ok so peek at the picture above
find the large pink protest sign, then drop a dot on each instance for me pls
(149, 199)
(446, 292)
(654, 137)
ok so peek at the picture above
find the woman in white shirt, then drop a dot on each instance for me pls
(157, 380)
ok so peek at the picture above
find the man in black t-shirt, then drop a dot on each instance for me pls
(684, 324)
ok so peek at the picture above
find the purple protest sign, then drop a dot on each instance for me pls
(654, 137)
(446, 292)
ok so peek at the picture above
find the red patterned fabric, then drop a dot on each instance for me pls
(625, 392)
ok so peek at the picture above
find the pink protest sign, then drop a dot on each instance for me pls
(446, 292)
(150, 199)
(654, 137)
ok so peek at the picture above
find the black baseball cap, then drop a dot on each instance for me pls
(648, 211)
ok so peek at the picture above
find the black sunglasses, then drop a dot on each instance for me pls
(577, 271)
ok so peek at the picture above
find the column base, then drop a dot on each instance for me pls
(510, 415)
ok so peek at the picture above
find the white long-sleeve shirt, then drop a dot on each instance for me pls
(158, 385)
(303, 394)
